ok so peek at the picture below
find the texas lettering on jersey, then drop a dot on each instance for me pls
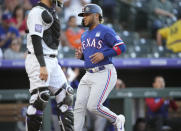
(92, 43)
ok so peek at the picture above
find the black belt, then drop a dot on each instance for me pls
(60, 90)
(50, 55)
(95, 69)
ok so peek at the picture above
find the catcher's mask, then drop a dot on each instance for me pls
(58, 3)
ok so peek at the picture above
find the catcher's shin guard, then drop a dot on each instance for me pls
(65, 114)
(34, 122)
(66, 120)
(39, 99)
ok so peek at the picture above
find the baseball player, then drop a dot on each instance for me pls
(44, 73)
(99, 45)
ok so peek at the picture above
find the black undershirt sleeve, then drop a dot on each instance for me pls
(38, 50)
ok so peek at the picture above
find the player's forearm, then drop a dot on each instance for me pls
(159, 11)
(116, 50)
(38, 50)
(159, 39)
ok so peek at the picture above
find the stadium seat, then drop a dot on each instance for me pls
(179, 55)
(129, 37)
(159, 51)
(68, 52)
(143, 47)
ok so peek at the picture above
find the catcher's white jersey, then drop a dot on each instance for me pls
(36, 26)
(56, 77)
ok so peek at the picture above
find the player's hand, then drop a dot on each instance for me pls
(78, 53)
(43, 73)
(97, 57)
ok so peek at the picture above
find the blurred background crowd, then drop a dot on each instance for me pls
(150, 29)
(144, 25)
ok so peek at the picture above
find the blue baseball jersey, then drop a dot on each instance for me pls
(99, 39)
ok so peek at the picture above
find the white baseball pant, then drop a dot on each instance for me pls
(93, 90)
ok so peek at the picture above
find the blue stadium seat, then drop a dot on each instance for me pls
(143, 47)
(129, 37)
(66, 52)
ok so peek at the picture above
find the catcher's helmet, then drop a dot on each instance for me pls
(91, 8)
(58, 3)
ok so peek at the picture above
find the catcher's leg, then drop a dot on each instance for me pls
(64, 108)
(39, 99)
